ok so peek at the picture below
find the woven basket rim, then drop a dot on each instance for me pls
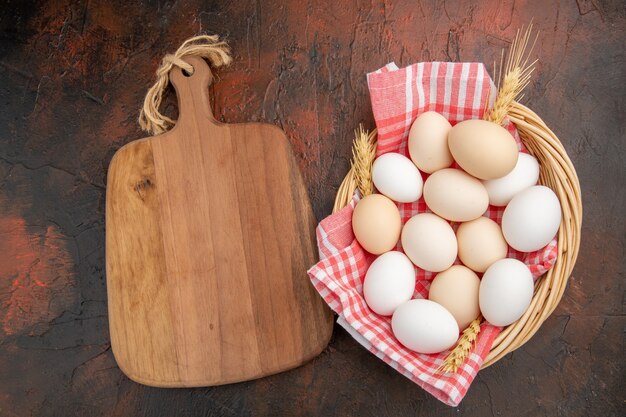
(556, 172)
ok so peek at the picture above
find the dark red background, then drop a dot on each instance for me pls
(72, 78)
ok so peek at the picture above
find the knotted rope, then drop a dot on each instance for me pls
(216, 52)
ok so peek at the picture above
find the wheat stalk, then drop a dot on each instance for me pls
(363, 153)
(517, 73)
(464, 346)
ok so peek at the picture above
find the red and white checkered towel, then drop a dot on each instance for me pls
(459, 91)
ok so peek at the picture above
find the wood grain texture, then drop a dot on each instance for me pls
(209, 236)
(73, 74)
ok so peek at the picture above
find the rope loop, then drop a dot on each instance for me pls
(209, 47)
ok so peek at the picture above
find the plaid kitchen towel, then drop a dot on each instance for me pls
(458, 91)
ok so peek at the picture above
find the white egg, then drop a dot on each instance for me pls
(506, 290)
(396, 176)
(524, 175)
(424, 326)
(531, 219)
(389, 282)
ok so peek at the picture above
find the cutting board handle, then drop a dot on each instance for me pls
(192, 91)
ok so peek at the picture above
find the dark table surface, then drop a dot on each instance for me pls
(72, 78)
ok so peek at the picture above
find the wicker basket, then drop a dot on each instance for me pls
(557, 172)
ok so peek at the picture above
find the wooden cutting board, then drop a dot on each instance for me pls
(209, 233)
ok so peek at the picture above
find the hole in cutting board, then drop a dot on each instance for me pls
(187, 74)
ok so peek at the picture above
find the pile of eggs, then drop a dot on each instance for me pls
(494, 172)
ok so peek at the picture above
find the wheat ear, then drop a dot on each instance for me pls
(516, 76)
(363, 154)
(464, 346)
